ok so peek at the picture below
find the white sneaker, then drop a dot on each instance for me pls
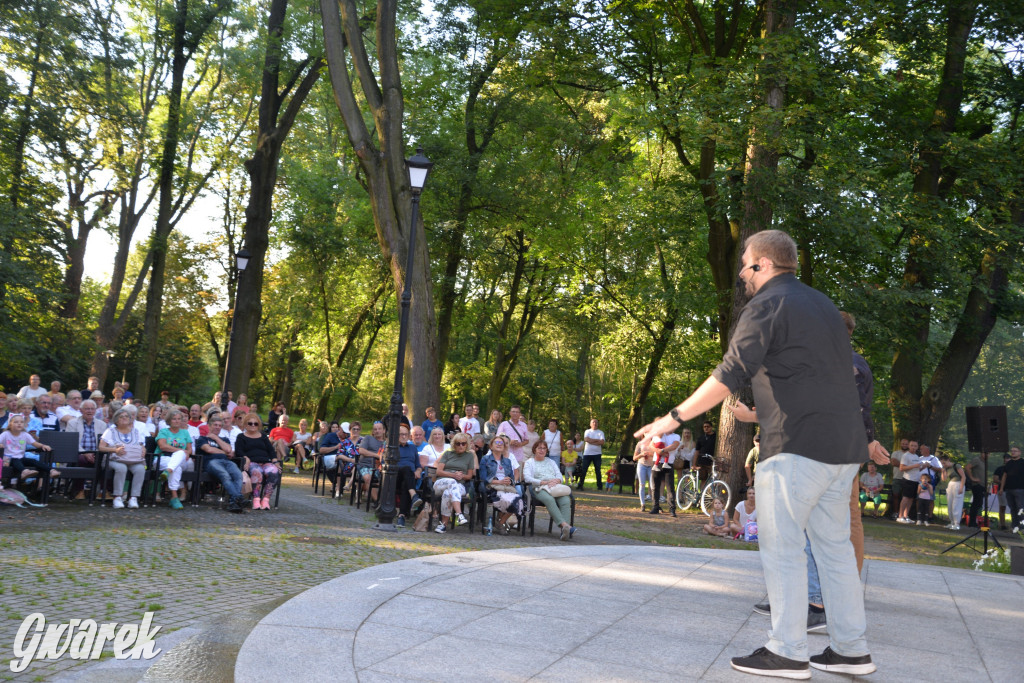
(118, 503)
(918, 522)
(441, 528)
(926, 522)
(462, 519)
(133, 503)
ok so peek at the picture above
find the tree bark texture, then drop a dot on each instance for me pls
(273, 127)
(735, 437)
(906, 379)
(381, 157)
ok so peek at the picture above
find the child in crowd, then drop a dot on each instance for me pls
(611, 477)
(569, 457)
(871, 483)
(925, 499)
(15, 441)
(718, 526)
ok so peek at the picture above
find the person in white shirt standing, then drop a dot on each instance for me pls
(593, 440)
(32, 391)
(469, 425)
(552, 436)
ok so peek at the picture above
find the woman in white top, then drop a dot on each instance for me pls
(300, 442)
(142, 420)
(541, 473)
(687, 448)
(433, 449)
(125, 446)
(746, 511)
(532, 436)
(553, 438)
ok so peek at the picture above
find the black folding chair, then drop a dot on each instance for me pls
(63, 457)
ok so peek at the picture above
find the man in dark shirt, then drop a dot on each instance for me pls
(1012, 484)
(791, 346)
(997, 477)
(704, 454)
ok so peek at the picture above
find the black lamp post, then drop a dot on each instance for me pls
(241, 261)
(419, 167)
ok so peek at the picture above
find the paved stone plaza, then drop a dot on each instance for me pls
(309, 593)
(612, 613)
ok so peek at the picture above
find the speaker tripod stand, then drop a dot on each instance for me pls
(983, 527)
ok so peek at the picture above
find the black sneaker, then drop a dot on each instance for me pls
(415, 505)
(764, 608)
(816, 621)
(400, 522)
(764, 662)
(832, 661)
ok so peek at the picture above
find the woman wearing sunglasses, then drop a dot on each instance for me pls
(264, 467)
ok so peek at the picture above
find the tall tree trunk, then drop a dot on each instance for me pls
(735, 437)
(477, 141)
(381, 158)
(262, 167)
(582, 363)
(187, 33)
(666, 329)
(906, 378)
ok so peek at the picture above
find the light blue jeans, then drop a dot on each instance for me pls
(643, 474)
(799, 499)
(813, 583)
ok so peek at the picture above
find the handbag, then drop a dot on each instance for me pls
(504, 488)
(422, 519)
(558, 490)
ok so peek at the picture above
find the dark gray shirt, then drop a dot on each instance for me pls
(791, 346)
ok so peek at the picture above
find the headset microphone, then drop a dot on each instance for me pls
(755, 267)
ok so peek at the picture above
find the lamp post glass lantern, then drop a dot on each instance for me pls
(418, 167)
(241, 262)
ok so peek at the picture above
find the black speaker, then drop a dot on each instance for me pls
(986, 430)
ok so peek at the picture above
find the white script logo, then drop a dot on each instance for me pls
(81, 639)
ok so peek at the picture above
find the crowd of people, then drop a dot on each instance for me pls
(501, 456)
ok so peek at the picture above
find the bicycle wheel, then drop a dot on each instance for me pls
(715, 490)
(686, 492)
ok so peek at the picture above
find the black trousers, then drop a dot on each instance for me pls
(977, 499)
(406, 481)
(670, 495)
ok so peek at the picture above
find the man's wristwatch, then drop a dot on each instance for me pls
(674, 414)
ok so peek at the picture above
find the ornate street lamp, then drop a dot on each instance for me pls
(241, 261)
(418, 167)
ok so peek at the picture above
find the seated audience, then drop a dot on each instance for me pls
(434, 448)
(176, 446)
(301, 443)
(542, 474)
(409, 472)
(15, 441)
(142, 420)
(499, 476)
(745, 511)
(264, 467)
(89, 429)
(454, 469)
(871, 483)
(717, 526)
(348, 450)
(125, 446)
(43, 410)
(219, 461)
(370, 452)
(281, 436)
(328, 445)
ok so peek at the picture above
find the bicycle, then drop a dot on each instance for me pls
(689, 485)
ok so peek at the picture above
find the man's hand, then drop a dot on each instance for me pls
(742, 413)
(877, 453)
